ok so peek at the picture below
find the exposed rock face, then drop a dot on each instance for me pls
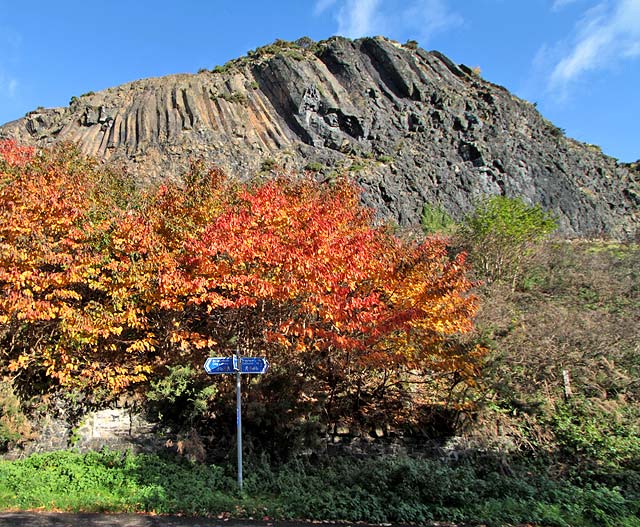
(409, 125)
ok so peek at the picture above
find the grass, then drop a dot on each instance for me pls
(399, 490)
(114, 482)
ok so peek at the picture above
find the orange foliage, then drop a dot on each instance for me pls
(98, 295)
(15, 155)
(296, 271)
(59, 316)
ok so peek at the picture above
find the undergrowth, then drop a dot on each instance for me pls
(399, 490)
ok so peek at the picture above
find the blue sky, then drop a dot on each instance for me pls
(579, 60)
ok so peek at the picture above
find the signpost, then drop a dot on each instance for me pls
(215, 365)
(238, 365)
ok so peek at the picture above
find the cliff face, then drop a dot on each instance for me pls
(409, 125)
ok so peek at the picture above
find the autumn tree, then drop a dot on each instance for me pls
(63, 309)
(101, 293)
(297, 271)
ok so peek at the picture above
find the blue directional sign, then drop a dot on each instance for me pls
(215, 365)
(219, 365)
(253, 365)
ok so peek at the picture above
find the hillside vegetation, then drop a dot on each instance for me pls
(521, 346)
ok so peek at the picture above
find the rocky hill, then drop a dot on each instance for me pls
(410, 126)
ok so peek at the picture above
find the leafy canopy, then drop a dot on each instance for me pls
(103, 293)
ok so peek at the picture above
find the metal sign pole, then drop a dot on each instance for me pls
(239, 420)
(236, 364)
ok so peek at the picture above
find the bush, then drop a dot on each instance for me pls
(435, 219)
(115, 482)
(579, 313)
(500, 235)
(314, 166)
(181, 397)
(589, 433)
(268, 165)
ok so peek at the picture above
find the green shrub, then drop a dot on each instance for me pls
(235, 97)
(588, 432)
(435, 219)
(389, 490)
(181, 397)
(268, 165)
(116, 482)
(314, 166)
(501, 233)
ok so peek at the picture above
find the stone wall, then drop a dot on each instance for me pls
(118, 429)
(127, 429)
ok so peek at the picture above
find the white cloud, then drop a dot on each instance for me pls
(8, 85)
(559, 4)
(323, 5)
(429, 17)
(416, 19)
(633, 50)
(10, 42)
(607, 34)
(13, 86)
(358, 18)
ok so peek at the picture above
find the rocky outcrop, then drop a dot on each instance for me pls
(409, 125)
